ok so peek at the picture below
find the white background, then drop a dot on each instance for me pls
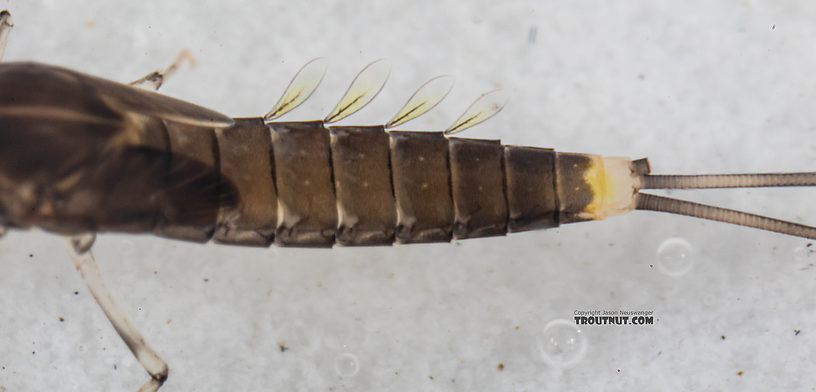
(697, 86)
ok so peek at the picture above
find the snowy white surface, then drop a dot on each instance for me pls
(697, 86)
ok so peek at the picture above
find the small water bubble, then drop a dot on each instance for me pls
(804, 253)
(562, 343)
(346, 365)
(674, 256)
(126, 247)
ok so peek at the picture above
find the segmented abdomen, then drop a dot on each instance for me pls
(305, 184)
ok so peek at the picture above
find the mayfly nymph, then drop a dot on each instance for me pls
(81, 155)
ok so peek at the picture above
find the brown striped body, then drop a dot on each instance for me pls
(145, 165)
(306, 184)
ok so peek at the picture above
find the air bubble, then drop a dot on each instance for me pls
(126, 247)
(805, 253)
(674, 257)
(346, 365)
(562, 343)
